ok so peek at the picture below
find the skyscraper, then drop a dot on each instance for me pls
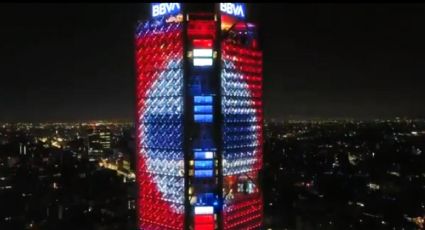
(99, 140)
(199, 118)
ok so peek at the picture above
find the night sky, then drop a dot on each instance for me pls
(75, 62)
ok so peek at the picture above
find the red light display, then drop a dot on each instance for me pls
(159, 55)
(202, 43)
(204, 219)
(204, 226)
(201, 28)
(243, 67)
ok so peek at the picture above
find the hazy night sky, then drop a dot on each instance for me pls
(75, 62)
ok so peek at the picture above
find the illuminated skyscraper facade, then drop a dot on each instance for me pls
(199, 118)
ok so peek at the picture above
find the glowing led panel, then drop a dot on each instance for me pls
(202, 61)
(204, 210)
(202, 52)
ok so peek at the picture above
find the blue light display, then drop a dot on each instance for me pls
(234, 9)
(240, 126)
(206, 199)
(203, 155)
(203, 164)
(203, 109)
(203, 173)
(203, 118)
(161, 9)
(203, 99)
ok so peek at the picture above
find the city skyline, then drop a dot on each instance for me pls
(212, 116)
(70, 62)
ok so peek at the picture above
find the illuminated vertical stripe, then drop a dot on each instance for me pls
(242, 130)
(159, 58)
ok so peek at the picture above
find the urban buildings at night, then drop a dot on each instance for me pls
(199, 118)
(99, 140)
(345, 174)
(331, 174)
(49, 180)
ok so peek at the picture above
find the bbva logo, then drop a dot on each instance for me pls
(159, 9)
(235, 9)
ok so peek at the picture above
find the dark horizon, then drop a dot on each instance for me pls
(74, 62)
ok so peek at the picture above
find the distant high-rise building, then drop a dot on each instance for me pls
(99, 140)
(199, 118)
(22, 149)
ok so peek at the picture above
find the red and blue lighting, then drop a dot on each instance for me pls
(160, 125)
(241, 80)
(199, 120)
